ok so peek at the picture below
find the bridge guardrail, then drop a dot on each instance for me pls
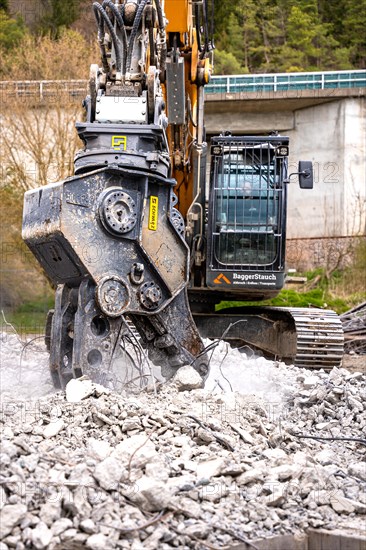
(41, 90)
(281, 82)
(47, 90)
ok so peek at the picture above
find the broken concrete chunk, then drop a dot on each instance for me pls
(187, 378)
(150, 494)
(276, 455)
(53, 428)
(41, 536)
(51, 510)
(98, 448)
(78, 389)
(10, 516)
(325, 457)
(88, 526)
(358, 469)
(99, 542)
(109, 473)
(140, 446)
(210, 468)
(245, 435)
(61, 525)
(310, 382)
(276, 499)
(341, 504)
(251, 475)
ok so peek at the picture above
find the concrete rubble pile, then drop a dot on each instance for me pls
(88, 468)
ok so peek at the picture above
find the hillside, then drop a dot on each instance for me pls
(249, 36)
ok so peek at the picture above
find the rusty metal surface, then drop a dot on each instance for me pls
(97, 237)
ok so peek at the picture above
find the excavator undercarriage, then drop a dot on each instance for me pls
(307, 337)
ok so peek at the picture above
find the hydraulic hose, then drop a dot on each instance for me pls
(121, 25)
(134, 30)
(98, 9)
(103, 53)
(197, 15)
(205, 24)
(161, 23)
(212, 25)
(160, 14)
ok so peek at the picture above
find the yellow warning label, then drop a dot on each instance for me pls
(221, 278)
(153, 214)
(119, 143)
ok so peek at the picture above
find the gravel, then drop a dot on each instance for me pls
(212, 467)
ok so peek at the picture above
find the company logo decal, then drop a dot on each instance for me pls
(254, 277)
(221, 278)
(119, 143)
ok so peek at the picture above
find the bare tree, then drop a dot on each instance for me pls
(37, 147)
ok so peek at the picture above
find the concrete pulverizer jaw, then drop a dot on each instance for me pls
(172, 339)
(109, 237)
(109, 240)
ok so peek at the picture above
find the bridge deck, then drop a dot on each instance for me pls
(221, 88)
(284, 82)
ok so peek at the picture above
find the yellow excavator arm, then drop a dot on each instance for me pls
(136, 192)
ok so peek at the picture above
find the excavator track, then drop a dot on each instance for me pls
(320, 338)
(307, 337)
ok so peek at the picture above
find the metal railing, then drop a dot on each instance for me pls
(47, 90)
(43, 90)
(282, 82)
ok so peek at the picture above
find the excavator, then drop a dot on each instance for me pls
(156, 226)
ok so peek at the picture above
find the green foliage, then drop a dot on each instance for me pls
(290, 298)
(59, 14)
(11, 30)
(30, 317)
(4, 5)
(226, 63)
(290, 35)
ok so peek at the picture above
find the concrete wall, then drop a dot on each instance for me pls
(333, 136)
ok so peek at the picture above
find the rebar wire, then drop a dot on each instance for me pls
(355, 439)
(25, 345)
(143, 354)
(11, 326)
(220, 367)
(215, 343)
(160, 516)
(126, 377)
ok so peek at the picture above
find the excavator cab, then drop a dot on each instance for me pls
(247, 213)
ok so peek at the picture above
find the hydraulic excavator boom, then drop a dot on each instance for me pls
(111, 237)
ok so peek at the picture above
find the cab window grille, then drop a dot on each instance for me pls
(247, 206)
